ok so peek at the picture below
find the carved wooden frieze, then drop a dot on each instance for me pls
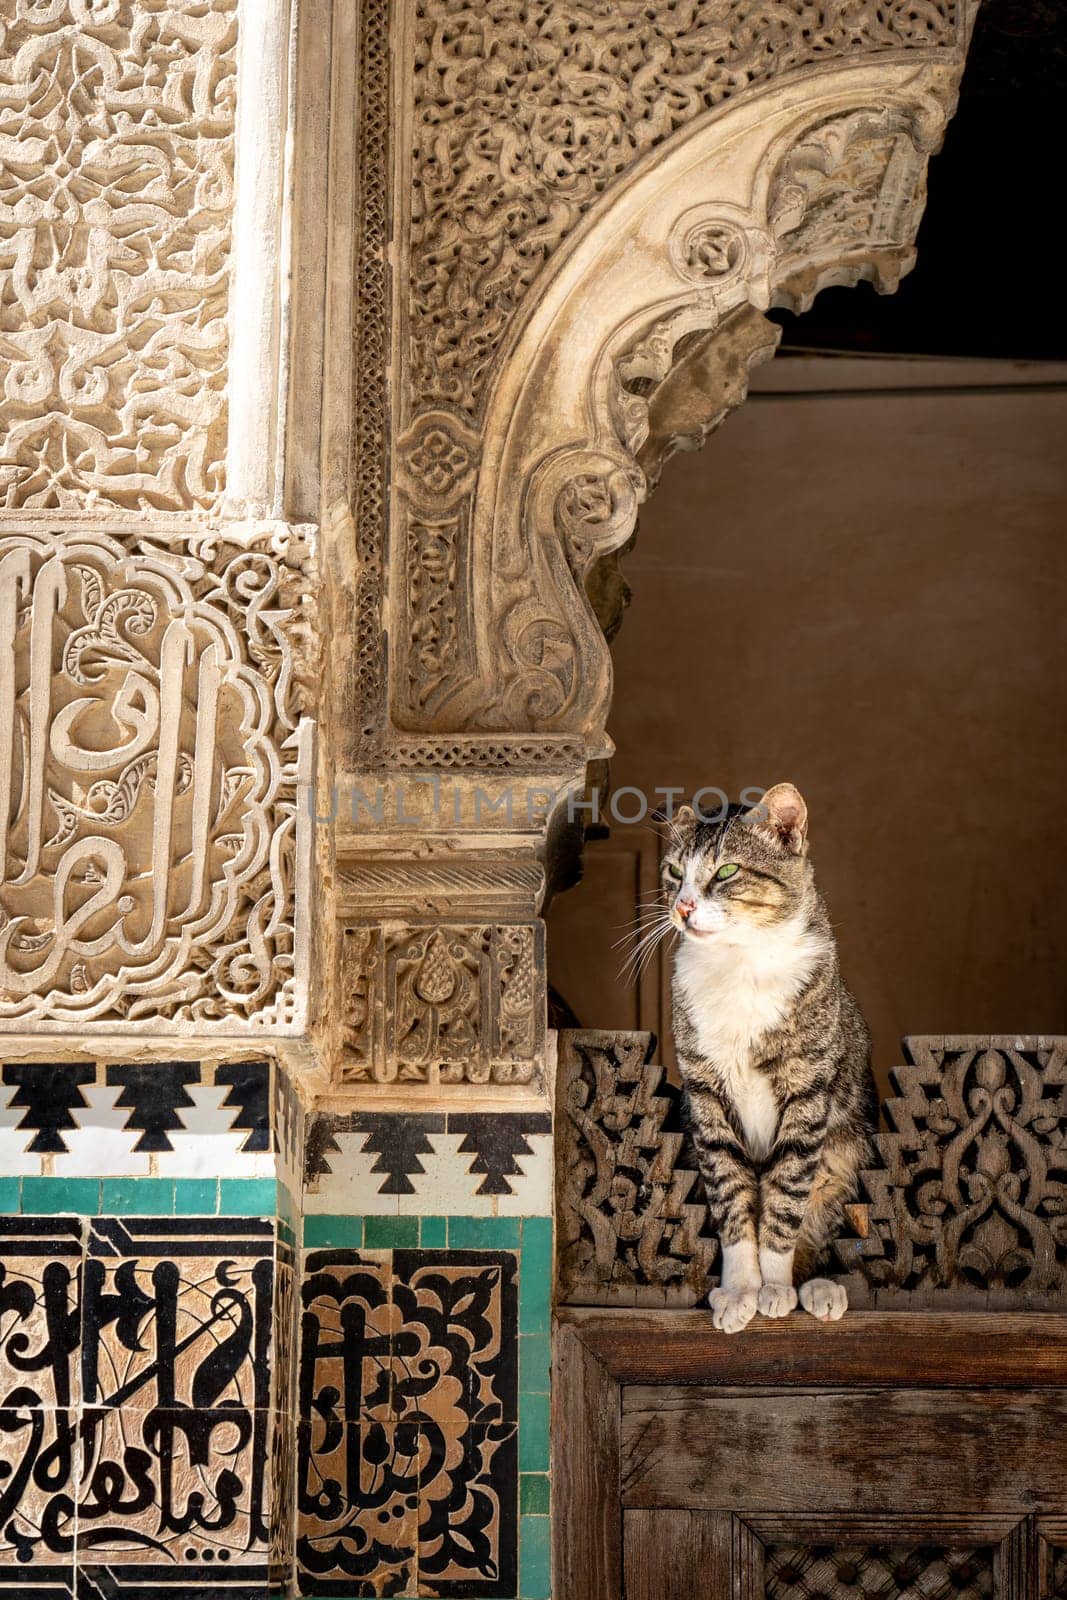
(115, 205)
(967, 1208)
(152, 742)
(631, 1214)
(442, 1002)
(971, 1196)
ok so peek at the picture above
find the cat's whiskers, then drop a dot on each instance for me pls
(648, 941)
(640, 928)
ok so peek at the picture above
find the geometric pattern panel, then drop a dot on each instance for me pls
(877, 1572)
(140, 1379)
(167, 1119)
(408, 1386)
(113, 323)
(467, 1163)
(150, 758)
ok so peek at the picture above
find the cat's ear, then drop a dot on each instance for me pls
(783, 816)
(678, 822)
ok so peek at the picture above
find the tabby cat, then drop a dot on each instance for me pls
(773, 1050)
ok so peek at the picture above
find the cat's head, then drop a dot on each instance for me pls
(725, 880)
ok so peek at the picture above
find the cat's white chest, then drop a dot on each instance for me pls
(729, 1022)
(735, 997)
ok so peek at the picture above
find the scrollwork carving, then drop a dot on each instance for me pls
(971, 1197)
(720, 221)
(525, 116)
(442, 1003)
(151, 746)
(115, 242)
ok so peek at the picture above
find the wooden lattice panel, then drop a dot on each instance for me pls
(877, 1572)
(967, 1207)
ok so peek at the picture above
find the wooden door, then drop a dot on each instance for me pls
(914, 1455)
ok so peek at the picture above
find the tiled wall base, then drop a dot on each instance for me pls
(423, 1392)
(158, 1432)
(143, 1365)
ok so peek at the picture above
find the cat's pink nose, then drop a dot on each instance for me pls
(685, 907)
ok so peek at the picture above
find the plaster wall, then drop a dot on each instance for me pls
(863, 592)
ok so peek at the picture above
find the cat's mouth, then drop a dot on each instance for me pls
(698, 933)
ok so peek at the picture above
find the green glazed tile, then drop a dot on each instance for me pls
(196, 1197)
(534, 1493)
(9, 1196)
(333, 1233)
(58, 1196)
(137, 1197)
(535, 1558)
(533, 1432)
(484, 1233)
(391, 1233)
(535, 1276)
(433, 1233)
(535, 1357)
(248, 1197)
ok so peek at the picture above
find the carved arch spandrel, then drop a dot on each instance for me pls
(814, 181)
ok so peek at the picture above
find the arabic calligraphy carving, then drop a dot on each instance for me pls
(148, 864)
(408, 1405)
(115, 204)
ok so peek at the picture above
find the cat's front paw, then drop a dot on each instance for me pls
(776, 1299)
(823, 1299)
(731, 1310)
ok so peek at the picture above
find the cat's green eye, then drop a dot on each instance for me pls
(675, 872)
(728, 870)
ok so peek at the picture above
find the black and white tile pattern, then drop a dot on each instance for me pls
(476, 1164)
(167, 1119)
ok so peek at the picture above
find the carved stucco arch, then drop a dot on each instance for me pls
(636, 340)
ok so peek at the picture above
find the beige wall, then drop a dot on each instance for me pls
(866, 594)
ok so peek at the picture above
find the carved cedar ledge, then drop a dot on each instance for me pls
(967, 1208)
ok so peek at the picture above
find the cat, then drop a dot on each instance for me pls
(773, 1050)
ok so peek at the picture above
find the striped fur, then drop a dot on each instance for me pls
(773, 1050)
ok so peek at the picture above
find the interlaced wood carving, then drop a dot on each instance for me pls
(971, 1197)
(631, 1212)
(968, 1207)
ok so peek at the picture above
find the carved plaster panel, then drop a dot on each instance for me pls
(117, 123)
(443, 1003)
(152, 741)
(524, 116)
(820, 183)
(565, 195)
